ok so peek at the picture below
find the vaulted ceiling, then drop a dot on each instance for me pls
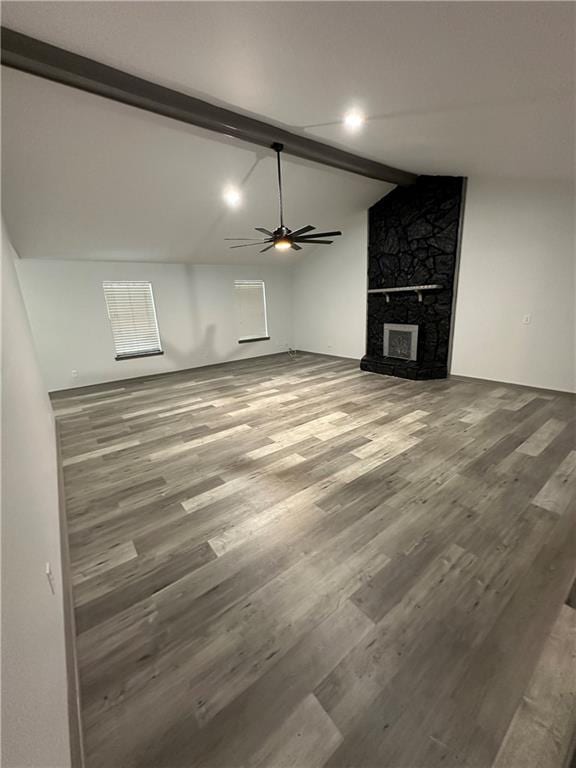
(453, 88)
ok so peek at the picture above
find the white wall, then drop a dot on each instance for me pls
(195, 308)
(34, 692)
(517, 259)
(330, 294)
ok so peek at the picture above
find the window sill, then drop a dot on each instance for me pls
(139, 354)
(257, 338)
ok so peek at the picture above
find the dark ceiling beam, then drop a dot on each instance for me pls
(52, 63)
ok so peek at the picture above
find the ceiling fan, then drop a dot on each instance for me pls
(283, 238)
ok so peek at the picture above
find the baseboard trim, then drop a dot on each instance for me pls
(326, 354)
(66, 392)
(55, 394)
(544, 390)
(73, 680)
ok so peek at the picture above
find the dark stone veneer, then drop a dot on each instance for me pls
(413, 239)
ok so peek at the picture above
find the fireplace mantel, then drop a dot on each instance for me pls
(418, 289)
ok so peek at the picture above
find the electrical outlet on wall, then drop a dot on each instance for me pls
(527, 319)
(74, 374)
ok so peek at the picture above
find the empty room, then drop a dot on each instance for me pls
(288, 384)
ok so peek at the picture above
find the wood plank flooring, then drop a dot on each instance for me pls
(290, 562)
(543, 728)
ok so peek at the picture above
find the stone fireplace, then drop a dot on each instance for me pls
(413, 248)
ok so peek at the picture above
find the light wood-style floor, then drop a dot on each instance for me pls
(290, 562)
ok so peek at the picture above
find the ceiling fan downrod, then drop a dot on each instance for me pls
(278, 149)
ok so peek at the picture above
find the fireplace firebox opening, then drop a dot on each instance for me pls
(401, 341)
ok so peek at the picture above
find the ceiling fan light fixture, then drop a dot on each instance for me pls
(283, 244)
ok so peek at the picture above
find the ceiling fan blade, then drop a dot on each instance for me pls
(312, 242)
(255, 239)
(247, 245)
(322, 234)
(267, 248)
(265, 231)
(301, 231)
(296, 247)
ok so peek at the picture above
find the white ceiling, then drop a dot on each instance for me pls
(455, 88)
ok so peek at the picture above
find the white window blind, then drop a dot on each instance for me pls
(133, 318)
(250, 298)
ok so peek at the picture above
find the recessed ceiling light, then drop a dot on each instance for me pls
(354, 120)
(232, 197)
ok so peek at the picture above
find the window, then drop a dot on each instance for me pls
(251, 310)
(133, 319)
